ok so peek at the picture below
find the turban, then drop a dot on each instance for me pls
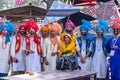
(70, 23)
(23, 26)
(116, 25)
(59, 27)
(53, 28)
(7, 35)
(100, 27)
(104, 24)
(85, 27)
(85, 22)
(44, 28)
(31, 24)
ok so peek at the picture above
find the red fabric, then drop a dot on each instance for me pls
(27, 39)
(18, 43)
(23, 26)
(31, 24)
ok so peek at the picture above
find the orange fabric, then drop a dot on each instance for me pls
(44, 28)
(59, 27)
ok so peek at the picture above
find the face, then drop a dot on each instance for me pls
(22, 31)
(67, 39)
(32, 32)
(4, 31)
(83, 32)
(52, 33)
(69, 29)
(115, 31)
(99, 32)
(44, 33)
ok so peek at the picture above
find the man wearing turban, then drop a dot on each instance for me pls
(113, 47)
(85, 48)
(5, 48)
(99, 57)
(51, 48)
(32, 48)
(17, 51)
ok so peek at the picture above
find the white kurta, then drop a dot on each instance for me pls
(33, 60)
(47, 53)
(20, 56)
(99, 61)
(4, 57)
(87, 65)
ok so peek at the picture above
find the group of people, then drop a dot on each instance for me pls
(27, 51)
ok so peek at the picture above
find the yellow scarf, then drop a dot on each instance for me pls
(71, 47)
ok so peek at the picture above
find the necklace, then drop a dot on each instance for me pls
(3, 43)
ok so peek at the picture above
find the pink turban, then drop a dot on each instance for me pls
(70, 23)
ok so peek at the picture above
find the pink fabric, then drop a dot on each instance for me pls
(19, 2)
(70, 23)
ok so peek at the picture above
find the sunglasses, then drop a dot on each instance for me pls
(115, 29)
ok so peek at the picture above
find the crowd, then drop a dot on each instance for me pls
(51, 47)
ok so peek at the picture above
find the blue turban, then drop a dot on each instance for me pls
(86, 28)
(11, 27)
(100, 27)
(8, 29)
(104, 24)
(85, 22)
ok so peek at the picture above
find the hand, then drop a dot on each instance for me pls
(64, 55)
(115, 47)
(82, 60)
(14, 59)
(46, 62)
(53, 53)
(41, 60)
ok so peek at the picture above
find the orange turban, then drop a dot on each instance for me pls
(59, 27)
(44, 28)
(54, 28)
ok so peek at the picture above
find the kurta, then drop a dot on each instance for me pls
(48, 49)
(99, 61)
(4, 57)
(114, 58)
(20, 56)
(84, 49)
(33, 59)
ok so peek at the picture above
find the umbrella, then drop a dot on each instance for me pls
(59, 10)
(106, 11)
(23, 12)
(77, 17)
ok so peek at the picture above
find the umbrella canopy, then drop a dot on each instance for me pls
(59, 10)
(23, 12)
(106, 11)
(77, 17)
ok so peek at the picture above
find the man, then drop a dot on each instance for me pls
(5, 48)
(99, 60)
(113, 47)
(32, 48)
(17, 51)
(51, 48)
(85, 48)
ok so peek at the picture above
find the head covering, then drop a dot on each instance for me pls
(104, 24)
(31, 24)
(22, 26)
(5, 26)
(59, 27)
(85, 27)
(85, 22)
(116, 25)
(44, 28)
(54, 28)
(63, 35)
(100, 27)
(70, 23)
(11, 27)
